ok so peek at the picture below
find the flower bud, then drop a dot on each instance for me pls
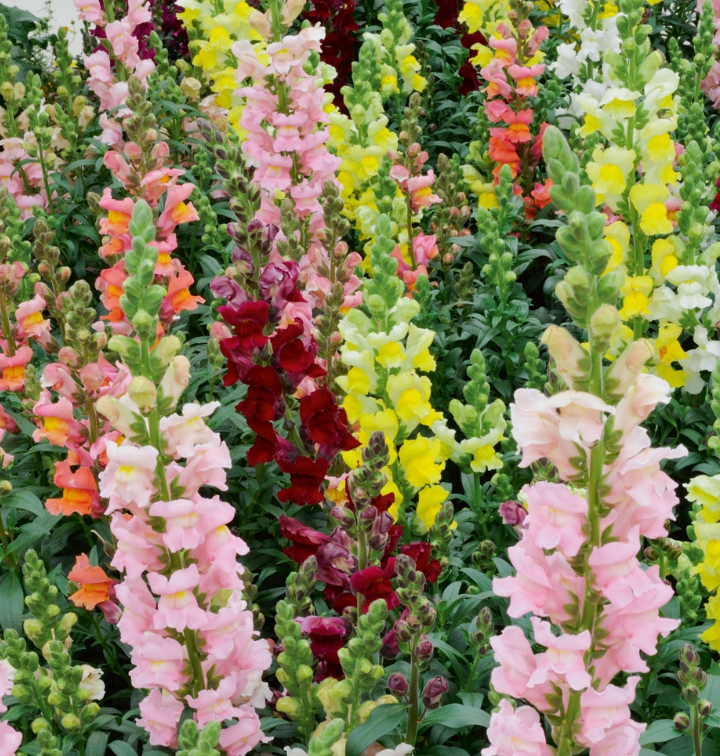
(571, 360)
(390, 648)
(398, 684)
(34, 629)
(367, 519)
(176, 378)
(512, 513)
(190, 87)
(682, 722)
(39, 724)
(304, 673)
(705, 707)
(424, 650)
(344, 517)
(603, 323)
(434, 691)
(402, 630)
(143, 392)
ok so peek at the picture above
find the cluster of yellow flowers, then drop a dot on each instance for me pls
(214, 26)
(386, 391)
(705, 491)
(386, 70)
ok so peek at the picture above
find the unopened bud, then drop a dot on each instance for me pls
(398, 684)
(434, 691)
(143, 392)
(682, 722)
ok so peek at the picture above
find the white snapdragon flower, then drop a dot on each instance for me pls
(694, 283)
(92, 682)
(703, 359)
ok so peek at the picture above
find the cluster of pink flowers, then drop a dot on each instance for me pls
(287, 131)
(191, 634)
(510, 82)
(112, 90)
(10, 739)
(577, 568)
(711, 83)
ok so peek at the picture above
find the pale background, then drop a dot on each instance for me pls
(63, 14)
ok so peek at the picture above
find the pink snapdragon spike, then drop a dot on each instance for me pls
(191, 634)
(286, 143)
(577, 568)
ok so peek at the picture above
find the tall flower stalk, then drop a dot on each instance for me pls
(596, 611)
(185, 618)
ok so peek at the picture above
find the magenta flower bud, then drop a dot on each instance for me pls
(344, 517)
(513, 513)
(398, 684)
(390, 648)
(434, 691)
(424, 650)
(367, 519)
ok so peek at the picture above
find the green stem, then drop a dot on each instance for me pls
(362, 561)
(410, 232)
(696, 730)
(413, 697)
(6, 327)
(198, 677)
(11, 559)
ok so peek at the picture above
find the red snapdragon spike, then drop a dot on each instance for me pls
(266, 443)
(326, 423)
(306, 477)
(419, 552)
(305, 540)
(375, 583)
(249, 320)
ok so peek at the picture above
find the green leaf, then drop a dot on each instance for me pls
(121, 748)
(12, 602)
(382, 720)
(456, 716)
(24, 500)
(659, 731)
(96, 744)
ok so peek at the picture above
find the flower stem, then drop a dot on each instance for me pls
(413, 697)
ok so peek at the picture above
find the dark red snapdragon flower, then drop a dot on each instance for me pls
(306, 477)
(248, 320)
(376, 583)
(265, 445)
(327, 636)
(325, 422)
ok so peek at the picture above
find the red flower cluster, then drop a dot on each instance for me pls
(272, 361)
(338, 47)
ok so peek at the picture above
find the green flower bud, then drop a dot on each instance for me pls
(288, 705)
(603, 324)
(143, 392)
(22, 693)
(70, 722)
(142, 223)
(39, 724)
